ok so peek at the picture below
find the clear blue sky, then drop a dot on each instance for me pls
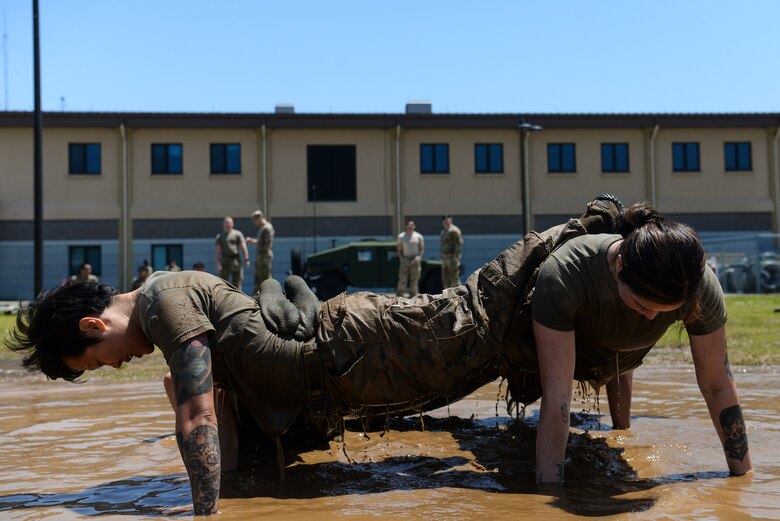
(366, 56)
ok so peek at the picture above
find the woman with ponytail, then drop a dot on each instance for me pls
(600, 304)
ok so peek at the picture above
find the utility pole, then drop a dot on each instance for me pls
(38, 160)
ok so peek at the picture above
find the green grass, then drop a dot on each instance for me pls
(753, 332)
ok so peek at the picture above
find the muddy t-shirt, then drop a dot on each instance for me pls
(576, 291)
(262, 369)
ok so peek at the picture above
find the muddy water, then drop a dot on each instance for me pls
(76, 451)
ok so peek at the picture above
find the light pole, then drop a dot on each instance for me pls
(525, 130)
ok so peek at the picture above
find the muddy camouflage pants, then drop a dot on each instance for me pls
(408, 276)
(450, 270)
(389, 355)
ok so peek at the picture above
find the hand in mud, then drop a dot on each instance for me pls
(293, 312)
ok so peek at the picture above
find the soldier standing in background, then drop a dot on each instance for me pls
(265, 256)
(410, 248)
(229, 246)
(451, 246)
(85, 275)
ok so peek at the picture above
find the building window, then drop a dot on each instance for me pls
(225, 158)
(737, 156)
(489, 158)
(332, 172)
(166, 158)
(78, 255)
(685, 157)
(561, 158)
(84, 158)
(614, 157)
(434, 158)
(162, 254)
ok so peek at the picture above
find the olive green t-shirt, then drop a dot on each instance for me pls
(262, 369)
(576, 291)
(230, 243)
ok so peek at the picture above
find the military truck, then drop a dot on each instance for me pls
(367, 263)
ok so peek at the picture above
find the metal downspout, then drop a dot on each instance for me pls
(528, 219)
(264, 169)
(652, 180)
(125, 245)
(398, 216)
(776, 180)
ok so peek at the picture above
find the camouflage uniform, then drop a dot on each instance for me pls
(393, 355)
(265, 255)
(451, 246)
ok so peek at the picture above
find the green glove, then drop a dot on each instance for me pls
(294, 312)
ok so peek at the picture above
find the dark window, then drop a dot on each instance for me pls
(332, 172)
(738, 156)
(489, 158)
(166, 158)
(434, 158)
(685, 157)
(561, 157)
(164, 253)
(225, 158)
(614, 157)
(84, 158)
(78, 255)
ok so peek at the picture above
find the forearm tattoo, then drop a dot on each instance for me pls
(735, 444)
(200, 452)
(191, 370)
(565, 413)
(728, 365)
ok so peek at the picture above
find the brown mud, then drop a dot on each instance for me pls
(104, 449)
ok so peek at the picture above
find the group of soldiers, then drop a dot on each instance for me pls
(231, 247)
(410, 248)
(230, 244)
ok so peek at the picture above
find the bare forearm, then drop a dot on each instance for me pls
(619, 398)
(199, 449)
(551, 440)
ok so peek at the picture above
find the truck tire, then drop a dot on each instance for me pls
(296, 266)
(431, 284)
(330, 285)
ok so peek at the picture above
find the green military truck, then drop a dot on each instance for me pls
(366, 263)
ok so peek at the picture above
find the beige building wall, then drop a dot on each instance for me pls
(196, 193)
(563, 193)
(462, 191)
(287, 159)
(16, 173)
(199, 194)
(81, 196)
(713, 189)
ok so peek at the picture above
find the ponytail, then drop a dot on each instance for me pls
(663, 260)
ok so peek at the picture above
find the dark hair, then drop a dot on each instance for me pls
(47, 331)
(663, 260)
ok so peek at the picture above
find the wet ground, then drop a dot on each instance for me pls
(72, 451)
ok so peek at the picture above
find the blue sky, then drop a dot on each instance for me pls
(372, 57)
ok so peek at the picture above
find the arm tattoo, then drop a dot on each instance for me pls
(191, 370)
(565, 413)
(728, 365)
(200, 452)
(735, 444)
